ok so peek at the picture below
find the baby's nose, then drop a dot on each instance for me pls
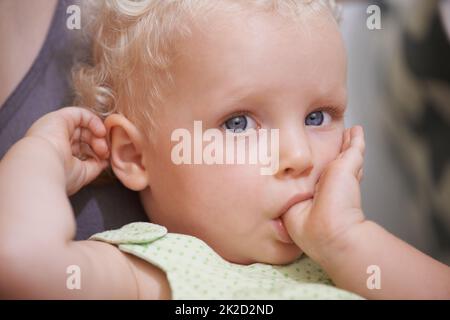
(295, 154)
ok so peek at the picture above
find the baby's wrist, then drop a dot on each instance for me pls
(43, 146)
(340, 244)
(43, 156)
(343, 247)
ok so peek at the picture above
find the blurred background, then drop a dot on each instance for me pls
(399, 90)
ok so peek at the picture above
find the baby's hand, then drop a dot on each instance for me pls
(318, 226)
(79, 138)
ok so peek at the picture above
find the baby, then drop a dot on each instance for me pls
(238, 67)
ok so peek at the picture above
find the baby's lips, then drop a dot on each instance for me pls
(299, 207)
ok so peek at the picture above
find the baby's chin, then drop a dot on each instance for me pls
(287, 254)
(279, 254)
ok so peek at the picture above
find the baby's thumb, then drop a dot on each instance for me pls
(89, 169)
(294, 221)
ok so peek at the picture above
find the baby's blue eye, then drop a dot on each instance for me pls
(315, 118)
(240, 123)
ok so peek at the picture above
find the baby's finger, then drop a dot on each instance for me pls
(357, 139)
(93, 168)
(353, 161)
(76, 150)
(360, 175)
(81, 117)
(97, 127)
(353, 157)
(98, 145)
(88, 170)
(346, 140)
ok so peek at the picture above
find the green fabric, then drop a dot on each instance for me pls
(196, 271)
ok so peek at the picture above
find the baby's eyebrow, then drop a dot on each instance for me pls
(245, 93)
(239, 94)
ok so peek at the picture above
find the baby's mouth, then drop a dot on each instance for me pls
(293, 201)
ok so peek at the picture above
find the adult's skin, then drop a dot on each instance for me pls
(23, 28)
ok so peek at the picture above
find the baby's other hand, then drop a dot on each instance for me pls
(318, 226)
(79, 138)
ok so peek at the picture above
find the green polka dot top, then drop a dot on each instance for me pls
(196, 271)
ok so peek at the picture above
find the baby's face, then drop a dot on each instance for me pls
(262, 72)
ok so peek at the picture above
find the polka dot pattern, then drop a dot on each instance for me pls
(195, 271)
(136, 233)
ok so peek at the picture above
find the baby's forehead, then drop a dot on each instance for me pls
(223, 18)
(226, 30)
(241, 42)
(260, 59)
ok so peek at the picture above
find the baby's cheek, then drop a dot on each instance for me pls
(327, 151)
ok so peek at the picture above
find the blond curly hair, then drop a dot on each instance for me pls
(131, 36)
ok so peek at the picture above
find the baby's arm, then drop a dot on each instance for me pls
(405, 272)
(37, 224)
(332, 230)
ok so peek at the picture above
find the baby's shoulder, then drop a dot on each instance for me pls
(151, 281)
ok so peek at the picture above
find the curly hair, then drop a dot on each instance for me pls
(131, 36)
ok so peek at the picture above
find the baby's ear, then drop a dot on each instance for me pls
(126, 149)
